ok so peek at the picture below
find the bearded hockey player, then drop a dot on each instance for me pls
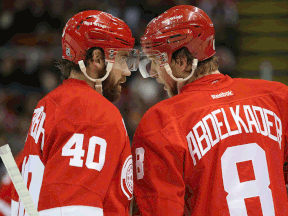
(216, 147)
(77, 157)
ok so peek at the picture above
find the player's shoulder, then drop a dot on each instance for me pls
(159, 115)
(262, 86)
(79, 101)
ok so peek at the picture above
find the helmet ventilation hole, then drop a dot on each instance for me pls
(175, 36)
(122, 41)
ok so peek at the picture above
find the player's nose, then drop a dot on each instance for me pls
(126, 72)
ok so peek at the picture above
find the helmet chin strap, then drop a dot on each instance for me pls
(98, 82)
(181, 81)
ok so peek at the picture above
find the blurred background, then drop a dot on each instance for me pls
(251, 41)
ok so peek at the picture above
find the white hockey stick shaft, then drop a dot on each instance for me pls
(20, 186)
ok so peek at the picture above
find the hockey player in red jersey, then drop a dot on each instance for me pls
(77, 156)
(216, 147)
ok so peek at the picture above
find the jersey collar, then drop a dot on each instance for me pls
(72, 81)
(209, 82)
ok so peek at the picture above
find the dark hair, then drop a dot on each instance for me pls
(203, 68)
(66, 66)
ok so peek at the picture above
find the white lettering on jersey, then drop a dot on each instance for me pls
(219, 124)
(213, 142)
(140, 152)
(259, 118)
(35, 168)
(278, 125)
(250, 118)
(222, 94)
(269, 124)
(239, 191)
(127, 178)
(192, 151)
(231, 133)
(256, 109)
(77, 152)
(238, 119)
(201, 138)
(37, 125)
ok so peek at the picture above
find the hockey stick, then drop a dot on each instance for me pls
(13, 171)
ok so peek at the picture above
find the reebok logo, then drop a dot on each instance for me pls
(172, 18)
(94, 23)
(222, 94)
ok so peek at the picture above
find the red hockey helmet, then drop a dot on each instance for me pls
(93, 28)
(180, 26)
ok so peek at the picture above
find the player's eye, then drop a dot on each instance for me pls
(155, 62)
(123, 59)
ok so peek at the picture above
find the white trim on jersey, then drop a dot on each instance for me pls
(5, 208)
(76, 210)
(14, 208)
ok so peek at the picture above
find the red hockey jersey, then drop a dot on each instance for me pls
(216, 149)
(77, 157)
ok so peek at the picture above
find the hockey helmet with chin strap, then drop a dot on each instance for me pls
(94, 28)
(180, 26)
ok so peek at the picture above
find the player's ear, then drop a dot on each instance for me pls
(98, 59)
(179, 64)
(182, 63)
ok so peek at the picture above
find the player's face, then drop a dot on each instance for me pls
(163, 77)
(112, 85)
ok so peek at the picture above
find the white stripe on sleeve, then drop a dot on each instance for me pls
(76, 210)
(5, 208)
(14, 208)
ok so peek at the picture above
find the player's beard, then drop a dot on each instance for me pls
(173, 91)
(112, 90)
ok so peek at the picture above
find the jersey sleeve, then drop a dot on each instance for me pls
(81, 169)
(281, 96)
(158, 170)
(121, 187)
